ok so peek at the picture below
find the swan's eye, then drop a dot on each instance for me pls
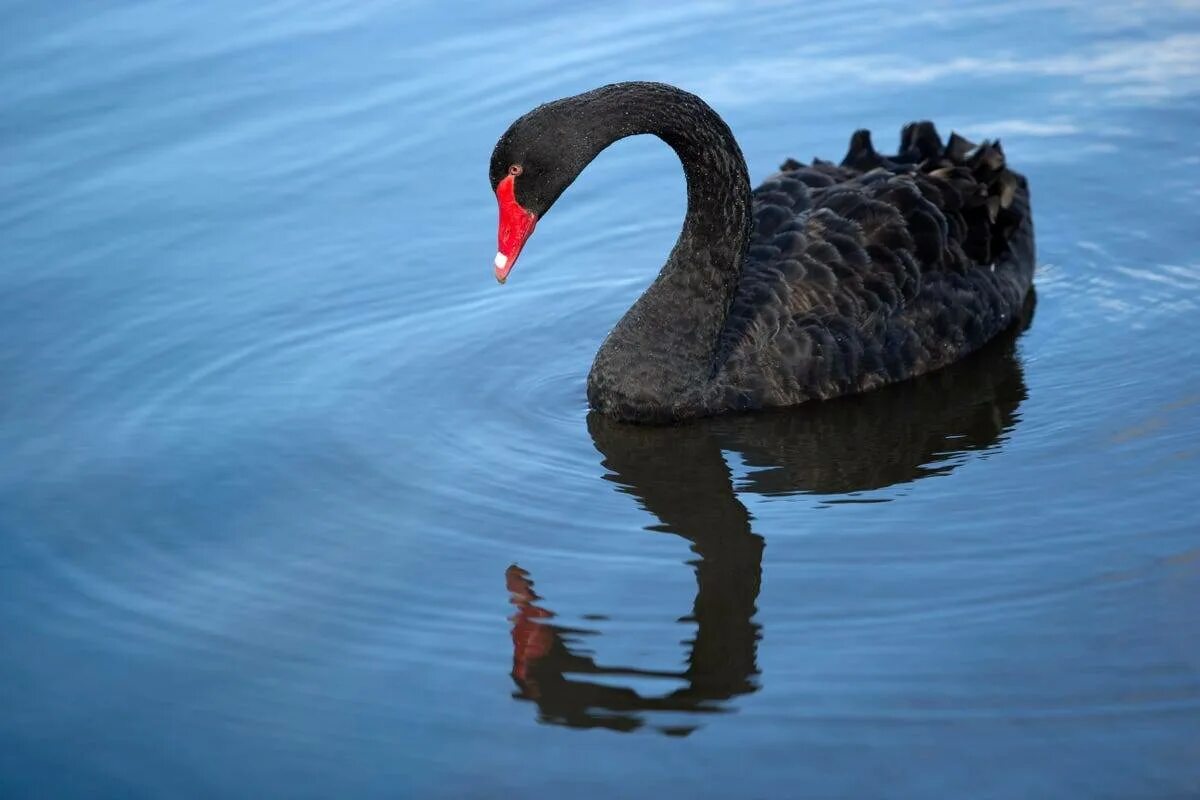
(515, 170)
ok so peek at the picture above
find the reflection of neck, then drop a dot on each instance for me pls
(728, 577)
(721, 664)
(680, 476)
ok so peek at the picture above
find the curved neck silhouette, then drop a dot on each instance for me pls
(662, 351)
(698, 503)
(679, 319)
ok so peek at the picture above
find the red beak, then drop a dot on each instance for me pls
(516, 223)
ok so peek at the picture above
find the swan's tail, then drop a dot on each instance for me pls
(982, 186)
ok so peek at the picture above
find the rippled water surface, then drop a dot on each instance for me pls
(296, 502)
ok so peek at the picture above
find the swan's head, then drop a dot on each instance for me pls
(534, 162)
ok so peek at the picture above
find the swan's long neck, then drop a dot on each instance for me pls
(662, 350)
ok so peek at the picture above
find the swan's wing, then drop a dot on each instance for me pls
(879, 268)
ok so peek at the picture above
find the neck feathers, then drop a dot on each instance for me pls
(660, 356)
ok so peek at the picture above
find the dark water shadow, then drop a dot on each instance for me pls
(896, 435)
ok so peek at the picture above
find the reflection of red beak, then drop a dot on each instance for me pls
(516, 223)
(532, 640)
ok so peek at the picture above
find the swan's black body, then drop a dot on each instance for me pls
(826, 280)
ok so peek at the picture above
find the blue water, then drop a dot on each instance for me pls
(279, 459)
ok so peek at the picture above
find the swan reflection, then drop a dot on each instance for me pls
(896, 435)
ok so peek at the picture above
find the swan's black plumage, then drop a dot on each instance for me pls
(825, 280)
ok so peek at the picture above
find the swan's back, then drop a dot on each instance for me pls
(875, 270)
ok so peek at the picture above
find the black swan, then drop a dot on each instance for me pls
(826, 280)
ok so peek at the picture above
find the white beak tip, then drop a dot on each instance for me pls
(501, 261)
